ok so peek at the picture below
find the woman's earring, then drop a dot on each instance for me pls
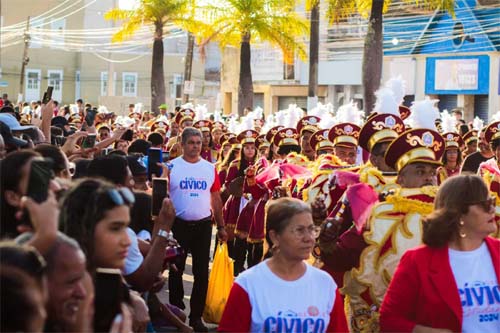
(460, 233)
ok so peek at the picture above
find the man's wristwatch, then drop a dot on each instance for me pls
(220, 227)
(168, 235)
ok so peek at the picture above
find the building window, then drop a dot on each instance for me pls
(33, 80)
(55, 79)
(129, 84)
(32, 86)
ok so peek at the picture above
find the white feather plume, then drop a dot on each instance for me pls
(258, 113)
(200, 112)
(495, 117)
(424, 113)
(103, 109)
(245, 124)
(386, 102)
(320, 110)
(398, 87)
(188, 105)
(268, 124)
(218, 116)
(73, 108)
(449, 122)
(327, 122)
(478, 124)
(125, 122)
(232, 125)
(349, 113)
(280, 118)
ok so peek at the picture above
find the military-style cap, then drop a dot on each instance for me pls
(470, 136)
(203, 125)
(159, 126)
(286, 137)
(308, 124)
(492, 131)
(319, 140)
(344, 134)
(261, 141)
(272, 132)
(416, 145)
(382, 127)
(453, 140)
(184, 115)
(247, 136)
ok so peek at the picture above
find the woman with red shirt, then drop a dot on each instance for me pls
(451, 284)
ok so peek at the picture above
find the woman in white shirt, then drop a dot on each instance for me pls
(283, 293)
(451, 284)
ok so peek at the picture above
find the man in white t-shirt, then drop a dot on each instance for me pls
(195, 192)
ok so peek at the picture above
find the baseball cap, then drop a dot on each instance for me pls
(9, 139)
(12, 122)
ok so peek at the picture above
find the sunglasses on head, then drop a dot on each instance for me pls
(121, 196)
(485, 204)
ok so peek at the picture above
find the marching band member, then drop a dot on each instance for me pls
(370, 250)
(234, 181)
(306, 126)
(470, 139)
(207, 152)
(452, 157)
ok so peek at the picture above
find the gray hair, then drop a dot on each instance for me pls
(189, 132)
(62, 240)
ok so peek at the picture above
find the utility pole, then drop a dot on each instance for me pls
(25, 55)
(111, 65)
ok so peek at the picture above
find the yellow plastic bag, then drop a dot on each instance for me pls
(219, 285)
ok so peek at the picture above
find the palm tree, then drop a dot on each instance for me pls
(188, 64)
(157, 13)
(313, 6)
(242, 22)
(373, 46)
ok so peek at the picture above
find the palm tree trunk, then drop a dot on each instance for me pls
(188, 64)
(314, 51)
(373, 56)
(245, 86)
(157, 76)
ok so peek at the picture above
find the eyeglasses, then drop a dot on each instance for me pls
(301, 231)
(121, 196)
(485, 204)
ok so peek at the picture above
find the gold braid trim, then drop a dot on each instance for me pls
(405, 205)
(255, 240)
(371, 171)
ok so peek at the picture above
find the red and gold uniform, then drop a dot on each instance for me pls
(490, 170)
(452, 141)
(235, 210)
(207, 152)
(183, 118)
(367, 257)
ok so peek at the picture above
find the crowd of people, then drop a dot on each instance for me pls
(335, 221)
